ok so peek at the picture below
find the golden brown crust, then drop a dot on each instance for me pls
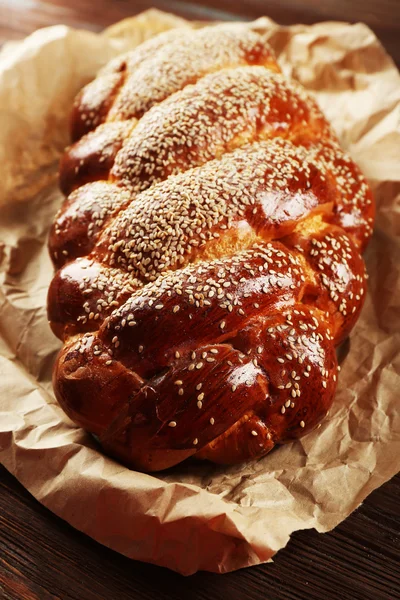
(82, 218)
(134, 82)
(93, 103)
(92, 157)
(185, 60)
(222, 111)
(209, 255)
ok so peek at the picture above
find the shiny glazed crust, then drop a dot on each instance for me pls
(208, 253)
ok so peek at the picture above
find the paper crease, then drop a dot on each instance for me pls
(195, 516)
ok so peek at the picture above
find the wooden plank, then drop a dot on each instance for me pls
(42, 558)
(19, 17)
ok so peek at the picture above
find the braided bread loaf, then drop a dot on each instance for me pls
(208, 253)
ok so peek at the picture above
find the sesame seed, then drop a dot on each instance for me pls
(179, 211)
(254, 432)
(172, 424)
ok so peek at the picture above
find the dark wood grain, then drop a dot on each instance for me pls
(41, 557)
(20, 17)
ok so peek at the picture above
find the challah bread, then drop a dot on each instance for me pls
(208, 253)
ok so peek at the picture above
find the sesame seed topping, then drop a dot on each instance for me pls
(187, 176)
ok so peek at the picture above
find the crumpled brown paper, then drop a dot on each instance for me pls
(196, 516)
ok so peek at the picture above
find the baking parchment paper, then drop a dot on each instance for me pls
(195, 516)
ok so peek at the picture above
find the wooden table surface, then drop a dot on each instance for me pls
(41, 557)
(20, 17)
